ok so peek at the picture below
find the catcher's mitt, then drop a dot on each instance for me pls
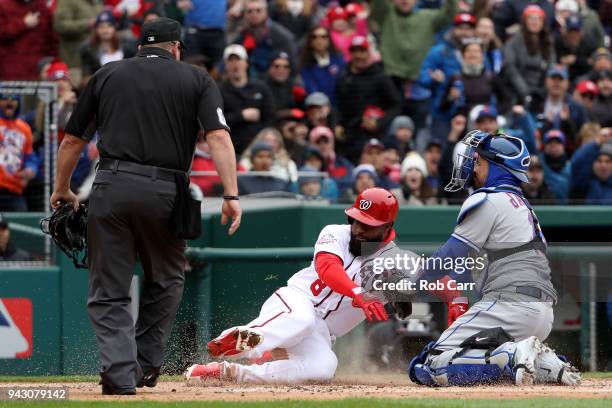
(68, 229)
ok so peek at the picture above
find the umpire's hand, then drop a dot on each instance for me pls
(60, 197)
(231, 209)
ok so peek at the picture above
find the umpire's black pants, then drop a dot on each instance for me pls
(128, 220)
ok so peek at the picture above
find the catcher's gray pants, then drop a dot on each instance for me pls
(128, 220)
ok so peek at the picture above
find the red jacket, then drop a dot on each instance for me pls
(21, 47)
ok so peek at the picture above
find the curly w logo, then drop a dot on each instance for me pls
(365, 205)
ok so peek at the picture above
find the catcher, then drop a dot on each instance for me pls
(297, 324)
(500, 336)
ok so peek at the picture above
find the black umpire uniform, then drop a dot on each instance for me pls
(147, 111)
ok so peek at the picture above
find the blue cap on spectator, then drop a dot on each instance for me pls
(487, 111)
(280, 54)
(573, 22)
(557, 71)
(258, 147)
(105, 17)
(365, 168)
(554, 134)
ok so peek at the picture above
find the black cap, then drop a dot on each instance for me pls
(160, 30)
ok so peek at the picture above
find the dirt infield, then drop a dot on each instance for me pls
(344, 386)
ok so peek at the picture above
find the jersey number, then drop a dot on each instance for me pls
(317, 287)
(515, 203)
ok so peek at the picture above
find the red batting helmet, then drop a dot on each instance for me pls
(374, 207)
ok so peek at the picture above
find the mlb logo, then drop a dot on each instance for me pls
(15, 328)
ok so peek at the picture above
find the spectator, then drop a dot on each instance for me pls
(203, 162)
(592, 170)
(432, 156)
(104, 46)
(602, 108)
(321, 63)
(528, 54)
(559, 110)
(406, 35)
(18, 164)
(371, 152)
(521, 123)
(310, 186)
(286, 93)
(364, 177)
(591, 23)
(204, 25)
(401, 132)
(589, 132)
(283, 167)
(361, 87)
(297, 16)
(508, 13)
(318, 110)
(73, 21)
(441, 64)
(485, 30)
(338, 167)
(585, 93)
(574, 48)
(262, 159)
(536, 191)
(390, 164)
(557, 167)
(473, 85)
(601, 60)
(8, 251)
(294, 133)
(263, 36)
(340, 30)
(415, 188)
(249, 106)
(26, 36)
(314, 161)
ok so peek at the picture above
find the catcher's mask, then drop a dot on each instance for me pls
(68, 228)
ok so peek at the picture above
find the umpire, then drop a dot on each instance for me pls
(148, 111)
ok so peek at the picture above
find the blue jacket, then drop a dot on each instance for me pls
(584, 183)
(207, 14)
(323, 79)
(445, 57)
(558, 182)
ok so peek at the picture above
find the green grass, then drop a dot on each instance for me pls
(346, 403)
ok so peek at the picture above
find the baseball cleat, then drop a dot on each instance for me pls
(525, 354)
(551, 369)
(234, 341)
(200, 372)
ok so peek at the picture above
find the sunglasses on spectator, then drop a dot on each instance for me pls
(323, 140)
(588, 95)
(319, 36)
(279, 66)
(254, 10)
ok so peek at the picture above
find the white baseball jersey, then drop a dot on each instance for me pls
(335, 308)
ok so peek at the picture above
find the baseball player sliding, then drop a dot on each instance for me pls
(500, 336)
(323, 301)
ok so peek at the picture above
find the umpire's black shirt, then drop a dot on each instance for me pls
(148, 109)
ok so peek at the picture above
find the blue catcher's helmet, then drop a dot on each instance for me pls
(506, 151)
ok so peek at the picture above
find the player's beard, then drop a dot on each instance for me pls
(364, 248)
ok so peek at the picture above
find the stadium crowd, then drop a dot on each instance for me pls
(326, 99)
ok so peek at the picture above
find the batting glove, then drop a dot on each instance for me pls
(373, 308)
(456, 308)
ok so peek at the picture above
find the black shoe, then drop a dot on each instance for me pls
(149, 379)
(108, 390)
